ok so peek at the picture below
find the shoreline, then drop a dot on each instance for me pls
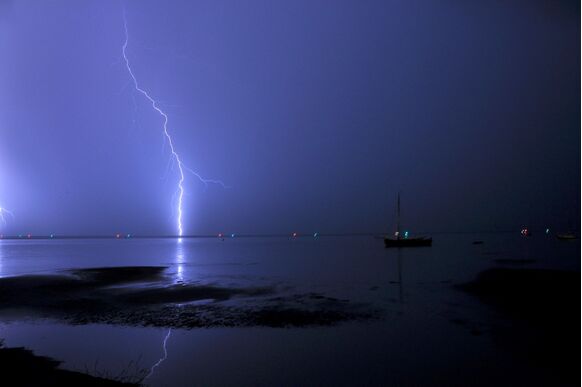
(22, 367)
(145, 296)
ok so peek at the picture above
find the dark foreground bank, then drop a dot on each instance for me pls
(19, 367)
(542, 308)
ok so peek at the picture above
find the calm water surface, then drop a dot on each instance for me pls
(417, 341)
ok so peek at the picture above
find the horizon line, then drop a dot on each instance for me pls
(30, 236)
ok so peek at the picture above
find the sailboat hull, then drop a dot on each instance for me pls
(566, 237)
(405, 242)
(408, 242)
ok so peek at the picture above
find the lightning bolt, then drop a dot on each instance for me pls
(3, 215)
(163, 357)
(175, 157)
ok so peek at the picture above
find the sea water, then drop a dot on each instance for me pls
(416, 340)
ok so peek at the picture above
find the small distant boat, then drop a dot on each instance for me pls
(405, 241)
(566, 236)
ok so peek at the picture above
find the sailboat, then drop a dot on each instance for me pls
(566, 236)
(400, 240)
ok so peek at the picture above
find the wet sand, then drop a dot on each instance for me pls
(145, 296)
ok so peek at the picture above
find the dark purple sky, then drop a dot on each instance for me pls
(316, 113)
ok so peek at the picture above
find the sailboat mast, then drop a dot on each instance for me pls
(398, 218)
